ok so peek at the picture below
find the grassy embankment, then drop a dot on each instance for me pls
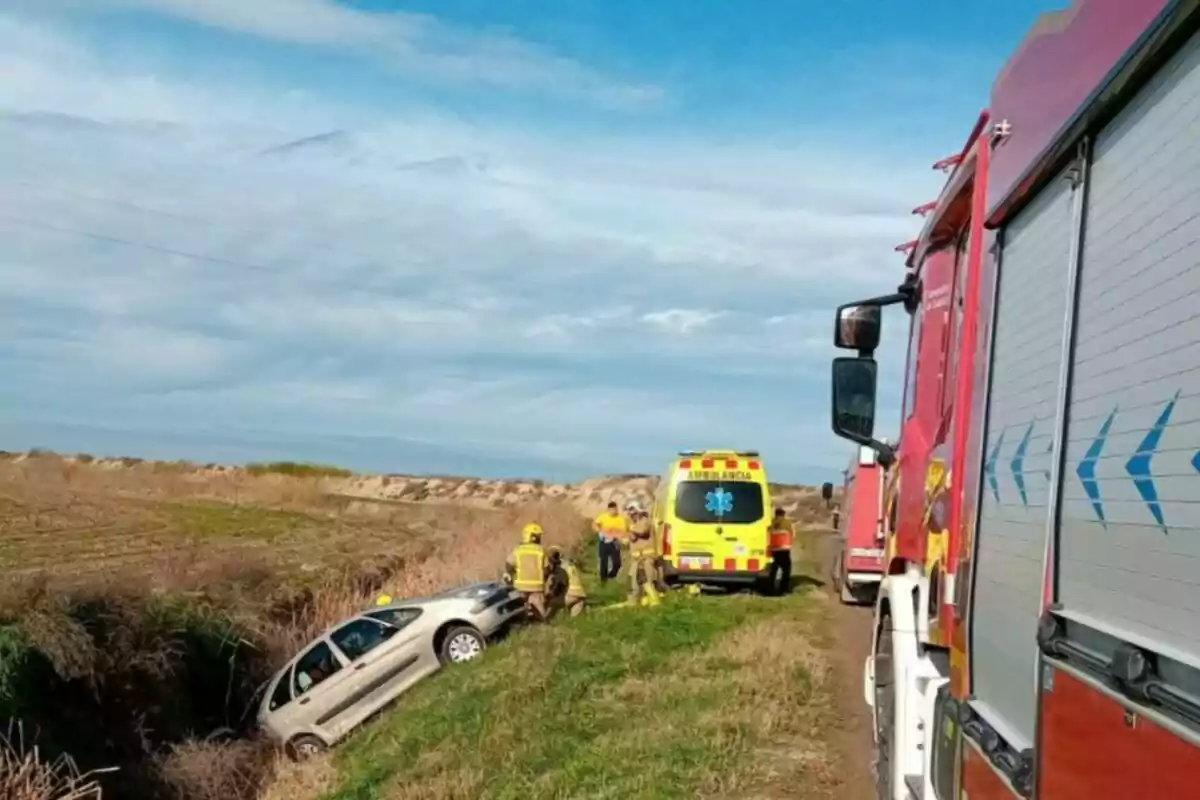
(713, 696)
(142, 607)
(708, 696)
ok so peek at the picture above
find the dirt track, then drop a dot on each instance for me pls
(852, 644)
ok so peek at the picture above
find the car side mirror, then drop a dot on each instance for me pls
(857, 327)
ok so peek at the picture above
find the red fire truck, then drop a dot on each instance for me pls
(1038, 628)
(860, 528)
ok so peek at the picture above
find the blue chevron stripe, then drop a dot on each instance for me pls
(1018, 464)
(1139, 466)
(1196, 461)
(990, 468)
(1087, 468)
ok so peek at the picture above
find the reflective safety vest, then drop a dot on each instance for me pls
(641, 547)
(782, 535)
(614, 526)
(574, 581)
(530, 561)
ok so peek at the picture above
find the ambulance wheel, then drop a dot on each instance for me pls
(885, 719)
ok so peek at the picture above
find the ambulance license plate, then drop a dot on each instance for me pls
(696, 562)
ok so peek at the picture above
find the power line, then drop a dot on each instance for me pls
(199, 257)
(194, 218)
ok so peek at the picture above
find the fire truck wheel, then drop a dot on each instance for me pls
(884, 710)
(849, 598)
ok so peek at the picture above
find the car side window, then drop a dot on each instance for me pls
(313, 668)
(398, 618)
(360, 636)
(283, 692)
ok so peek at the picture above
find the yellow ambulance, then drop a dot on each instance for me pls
(711, 517)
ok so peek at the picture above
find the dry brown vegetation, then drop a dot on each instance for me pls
(151, 600)
(25, 775)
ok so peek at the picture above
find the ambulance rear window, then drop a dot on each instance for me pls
(731, 502)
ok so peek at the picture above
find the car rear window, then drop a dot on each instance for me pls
(283, 692)
(731, 502)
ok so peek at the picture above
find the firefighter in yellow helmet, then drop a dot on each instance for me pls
(565, 583)
(644, 573)
(526, 566)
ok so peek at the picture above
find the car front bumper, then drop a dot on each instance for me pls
(501, 609)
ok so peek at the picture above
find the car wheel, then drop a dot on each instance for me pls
(461, 645)
(304, 747)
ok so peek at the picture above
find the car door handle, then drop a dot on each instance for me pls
(304, 701)
(360, 665)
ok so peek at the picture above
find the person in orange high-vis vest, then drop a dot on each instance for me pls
(526, 566)
(782, 534)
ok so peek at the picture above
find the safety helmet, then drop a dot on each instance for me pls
(383, 600)
(531, 533)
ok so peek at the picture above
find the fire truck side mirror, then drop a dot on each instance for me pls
(826, 492)
(857, 327)
(854, 399)
(854, 405)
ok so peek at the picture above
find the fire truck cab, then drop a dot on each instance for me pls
(1037, 630)
(860, 529)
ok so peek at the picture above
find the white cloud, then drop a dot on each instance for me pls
(415, 277)
(414, 43)
(681, 320)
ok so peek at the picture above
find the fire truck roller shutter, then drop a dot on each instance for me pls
(1035, 264)
(1129, 547)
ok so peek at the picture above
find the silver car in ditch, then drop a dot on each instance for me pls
(362, 663)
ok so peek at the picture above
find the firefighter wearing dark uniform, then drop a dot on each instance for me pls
(564, 584)
(526, 566)
(782, 534)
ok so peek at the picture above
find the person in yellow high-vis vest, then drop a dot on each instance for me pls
(643, 573)
(611, 528)
(526, 566)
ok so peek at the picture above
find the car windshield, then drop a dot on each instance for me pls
(731, 502)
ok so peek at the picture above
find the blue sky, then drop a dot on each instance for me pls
(539, 238)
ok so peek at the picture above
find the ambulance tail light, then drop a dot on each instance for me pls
(685, 464)
(754, 465)
(666, 539)
(731, 463)
(707, 463)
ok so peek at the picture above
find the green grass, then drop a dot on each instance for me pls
(678, 701)
(207, 520)
(298, 470)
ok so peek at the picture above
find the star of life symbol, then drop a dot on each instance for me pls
(719, 502)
